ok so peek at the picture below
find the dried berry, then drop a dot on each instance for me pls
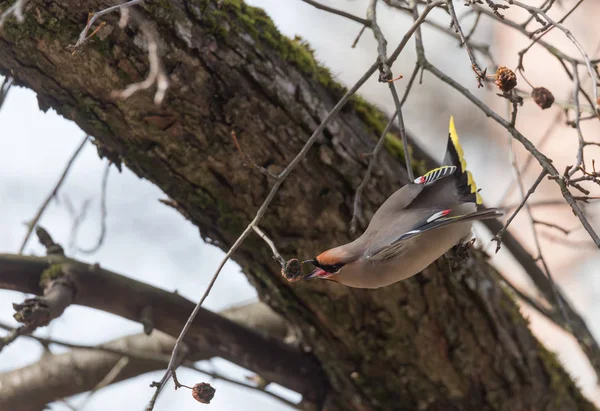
(506, 79)
(203, 392)
(293, 269)
(542, 97)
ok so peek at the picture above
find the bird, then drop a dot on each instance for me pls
(414, 227)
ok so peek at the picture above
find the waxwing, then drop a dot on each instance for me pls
(412, 228)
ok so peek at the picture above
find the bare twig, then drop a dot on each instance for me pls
(373, 157)
(588, 63)
(156, 73)
(358, 36)
(103, 214)
(33, 223)
(498, 236)
(386, 75)
(276, 255)
(15, 10)
(464, 42)
(4, 89)
(552, 225)
(14, 334)
(77, 216)
(557, 297)
(337, 12)
(108, 379)
(414, 27)
(545, 30)
(384, 69)
(539, 144)
(541, 158)
(403, 135)
(249, 159)
(83, 36)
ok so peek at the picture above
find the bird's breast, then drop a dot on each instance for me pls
(419, 253)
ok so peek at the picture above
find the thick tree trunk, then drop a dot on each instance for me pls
(443, 340)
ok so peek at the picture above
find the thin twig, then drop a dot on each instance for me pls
(570, 36)
(358, 36)
(541, 158)
(77, 219)
(259, 168)
(498, 236)
(15, 10)
(5, 88)
(15, 333)
(386, 75)
(403, 135)
(464, 42)
(540, 144)
(552, 225)
(545, 30)
(83, 37)
(271, 244)
(337, 12)
(103, 214)
(363, 183)
(384, 68)
(416, 24)
(33, 223)
(156, 73)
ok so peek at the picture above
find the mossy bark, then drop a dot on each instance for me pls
(442, 340)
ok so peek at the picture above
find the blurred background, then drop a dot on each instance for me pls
(149, 241)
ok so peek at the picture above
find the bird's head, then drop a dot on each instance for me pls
(327, 267)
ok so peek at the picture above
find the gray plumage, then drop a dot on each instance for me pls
(412, 228)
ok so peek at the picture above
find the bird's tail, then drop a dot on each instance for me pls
(465, 183)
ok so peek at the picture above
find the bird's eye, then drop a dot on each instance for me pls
(329, 268)
(332, 269)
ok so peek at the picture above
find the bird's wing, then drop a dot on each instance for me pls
(434, 175)
(405, 196)
(432, 221)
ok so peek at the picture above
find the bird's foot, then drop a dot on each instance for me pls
(460, 253)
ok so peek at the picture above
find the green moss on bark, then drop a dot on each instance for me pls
(564, 389)
(51, 273)
(298, 52)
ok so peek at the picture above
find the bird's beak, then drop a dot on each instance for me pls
(316, 273)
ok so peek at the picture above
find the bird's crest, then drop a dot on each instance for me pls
(455, 156)
(327, 258)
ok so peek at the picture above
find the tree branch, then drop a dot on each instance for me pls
(84, 367)
(105, 290)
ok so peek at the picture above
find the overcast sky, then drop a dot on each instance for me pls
(152, 243)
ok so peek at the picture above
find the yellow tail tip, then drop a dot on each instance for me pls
(461, 156)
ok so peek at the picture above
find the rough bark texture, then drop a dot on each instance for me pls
(442, 340)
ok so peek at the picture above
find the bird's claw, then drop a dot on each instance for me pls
(460, 253)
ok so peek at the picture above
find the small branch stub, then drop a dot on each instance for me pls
(46, 240)
(506, 79)
(542, 97)
(203, 392)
